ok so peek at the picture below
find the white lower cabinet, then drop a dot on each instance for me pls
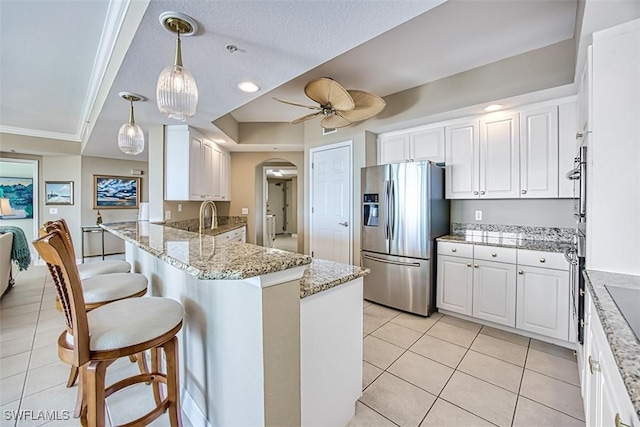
(454, 284)
(606, 400)
(522, 289)
(494, 292)
(543, 301)
(237, 235)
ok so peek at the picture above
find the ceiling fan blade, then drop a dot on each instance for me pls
(297, 104)
(327, 91)
(367, 105)
(304, 118)
(334, 121)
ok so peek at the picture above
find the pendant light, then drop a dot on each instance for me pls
(176, 91)
(130, 136)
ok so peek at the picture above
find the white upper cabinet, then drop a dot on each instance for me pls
(462, 160)
(393, 148)
(539, 153)
(423, 143)
(194, 167)
(499, 157)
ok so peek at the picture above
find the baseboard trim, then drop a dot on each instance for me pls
(191, 410)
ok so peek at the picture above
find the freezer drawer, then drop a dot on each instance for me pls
(402, 283)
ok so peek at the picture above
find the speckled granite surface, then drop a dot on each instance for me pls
(204, 256)
(505, 242)
(321, 275)
(623, 342)
(193, 224)
(521, 232)
(511, 236)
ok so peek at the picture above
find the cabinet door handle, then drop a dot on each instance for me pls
(524, 191)
(475, 265)
(520, 272)
(494, 254)
(542, 260)
(468, 264)
(593, 365)
(618, 422)
(579, 135)
(454, 250)
(475, 193)
(482, 192)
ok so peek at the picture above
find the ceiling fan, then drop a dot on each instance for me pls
(339, 106)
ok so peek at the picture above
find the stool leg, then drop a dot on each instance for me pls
(156, 367)
(133, 358)
(96, 372)
(73, 376)
(173, 381)
(81, 397)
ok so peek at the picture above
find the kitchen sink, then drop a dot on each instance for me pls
(628, 301)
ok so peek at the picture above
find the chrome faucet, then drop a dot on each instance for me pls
(214, 215)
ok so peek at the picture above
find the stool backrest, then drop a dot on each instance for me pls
(60, 224)
(54, 250)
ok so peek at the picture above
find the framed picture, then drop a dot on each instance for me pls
(116, 192)
(19, 191)
(58, 193)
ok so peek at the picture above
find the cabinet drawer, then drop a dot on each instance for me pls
(494, 253)
(455, 249)
(543, 259)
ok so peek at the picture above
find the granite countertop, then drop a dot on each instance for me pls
(623, 342)
(507, 242)
(204, 256)
(321, 275)
(209, 259)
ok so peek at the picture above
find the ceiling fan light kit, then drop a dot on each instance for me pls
(339, 106)
(130, 136)
(176, 91)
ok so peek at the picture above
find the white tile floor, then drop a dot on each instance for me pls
(286, 242)
(33, 379)
(436, 371)
(444, 371)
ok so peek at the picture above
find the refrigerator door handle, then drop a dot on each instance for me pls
(386, 216)
(392, 210)
(385, 261)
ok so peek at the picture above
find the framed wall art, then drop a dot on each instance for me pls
(58, 193)
(19, 192)
(116, 192)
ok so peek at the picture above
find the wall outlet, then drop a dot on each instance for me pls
(167, 215)
(478, 215)
(53, 211)
(179, 207)
(245, 211)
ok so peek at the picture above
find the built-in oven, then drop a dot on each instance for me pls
(576, 255)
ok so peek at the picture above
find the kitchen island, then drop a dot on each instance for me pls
(269, 338)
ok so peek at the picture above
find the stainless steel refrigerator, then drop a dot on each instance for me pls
(403, 211)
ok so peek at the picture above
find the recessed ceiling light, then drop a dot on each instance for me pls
(248, 87)
(493, 107)
(219, 140)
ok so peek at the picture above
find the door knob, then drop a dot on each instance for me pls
(344, 224)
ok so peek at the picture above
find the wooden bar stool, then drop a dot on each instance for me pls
(95, 339)
(94, 268)
(101, 289)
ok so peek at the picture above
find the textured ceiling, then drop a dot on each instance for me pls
(381, 46)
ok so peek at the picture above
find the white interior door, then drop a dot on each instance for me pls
(331, 196)
(275, 204)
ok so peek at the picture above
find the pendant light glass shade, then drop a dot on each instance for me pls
(130, 136)
(177, 93)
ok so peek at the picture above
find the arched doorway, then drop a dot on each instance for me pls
(277, 188)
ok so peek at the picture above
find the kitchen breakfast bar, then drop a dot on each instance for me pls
(269, 337)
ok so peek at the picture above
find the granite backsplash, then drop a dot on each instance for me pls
(193, 224)
(514, 231)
